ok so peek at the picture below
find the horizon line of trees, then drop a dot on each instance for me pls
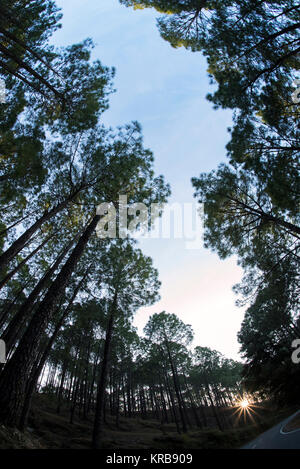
(152, 377)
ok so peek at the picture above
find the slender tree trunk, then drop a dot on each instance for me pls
(293, 229)
(23, 262)
(192, 402)
(172, 404)
(18, 41)
(85, 391)
(61, 387)
(215, 412)
(19, 244)
(3, 232)
(5, 315)
(163, 401)
(124, 399)
(95, 367)
(98, 423)
(21, 77)
(11, 334)
(202, 406)
(118, 401)
(74, 400)
(129, 410)
(177, 390)
(7, 53)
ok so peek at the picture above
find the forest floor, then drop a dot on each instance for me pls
(48, 430)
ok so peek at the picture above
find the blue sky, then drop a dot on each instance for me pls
(164, 89)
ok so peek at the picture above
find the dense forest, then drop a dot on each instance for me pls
(68, 297)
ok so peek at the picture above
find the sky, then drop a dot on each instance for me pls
(164, 89)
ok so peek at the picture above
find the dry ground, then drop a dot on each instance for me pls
(47, 430)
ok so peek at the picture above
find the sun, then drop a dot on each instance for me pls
(245, 408)
(244, 404)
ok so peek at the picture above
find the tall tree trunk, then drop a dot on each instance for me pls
(15, 373)
(12, 332)
(95, 367)
(192, 402)
(38, 369)
(215, 412)
(117, 409)
(172, 404)
(86, 380)
(163, 401)
(61, 387)
(129, 409)
(98, 422)
(74, 400)
(177, 389)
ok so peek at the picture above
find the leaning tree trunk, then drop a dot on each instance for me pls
(15, 374)
(24, 261)
(12, 332)
(19, 244)
(23, 65)
(6, 313)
